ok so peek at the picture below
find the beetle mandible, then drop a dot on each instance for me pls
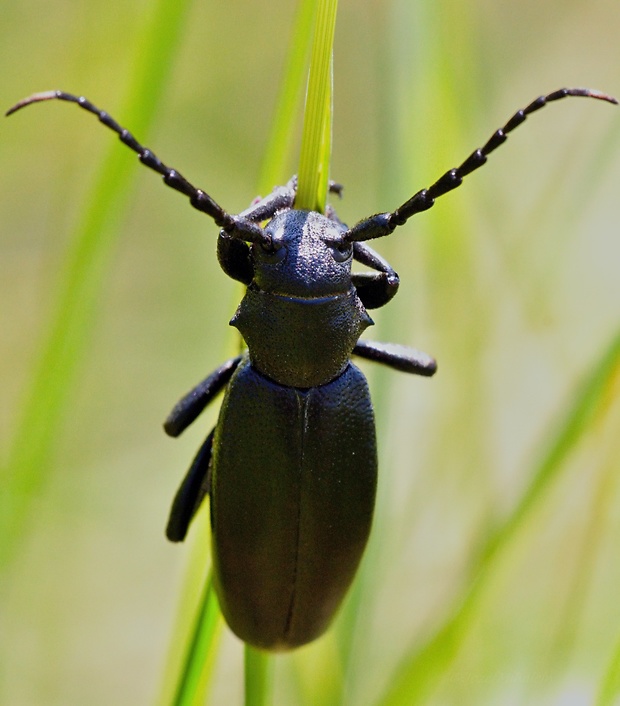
(291, 465)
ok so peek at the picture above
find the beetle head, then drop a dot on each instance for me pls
(307, 257)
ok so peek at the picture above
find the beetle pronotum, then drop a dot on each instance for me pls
(291, 465)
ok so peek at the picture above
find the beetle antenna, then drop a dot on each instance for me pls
(235, 226)
(384, 223)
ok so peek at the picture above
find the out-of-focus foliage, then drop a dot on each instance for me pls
(511, 282)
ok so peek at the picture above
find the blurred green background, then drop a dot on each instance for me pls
(493, 573)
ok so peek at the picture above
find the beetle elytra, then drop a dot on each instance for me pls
(291, 465)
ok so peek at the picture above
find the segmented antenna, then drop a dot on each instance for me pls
(384, 223)
(235, 226)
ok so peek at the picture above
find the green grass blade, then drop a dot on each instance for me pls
(258, 665)
(280, 141)
(424, 666)
(609, 692)
(258, 677)
(200, 658)
(80, 284)
(316, 137)
(193, 644)
(326, 142)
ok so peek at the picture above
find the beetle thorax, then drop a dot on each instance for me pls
(300, 342)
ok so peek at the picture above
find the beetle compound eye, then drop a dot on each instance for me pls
(342, 252)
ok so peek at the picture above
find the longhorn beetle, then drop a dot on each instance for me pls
(291, 465)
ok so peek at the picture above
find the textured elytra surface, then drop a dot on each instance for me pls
(292, 501)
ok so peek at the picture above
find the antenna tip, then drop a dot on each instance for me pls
(34, 98)
(599, 95)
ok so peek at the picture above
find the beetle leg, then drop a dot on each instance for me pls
(281, 198)
(335, 188)
(235, 258)
(384, 223)
(403, 358)
(374, 290)
(190, 495)
(190, 406)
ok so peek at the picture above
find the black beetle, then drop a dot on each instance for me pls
(291, 466)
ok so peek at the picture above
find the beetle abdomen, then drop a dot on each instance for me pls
(291, 503)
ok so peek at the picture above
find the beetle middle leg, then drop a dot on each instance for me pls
(191, 493)
(196, 483)
(402, 358)
(189, 407)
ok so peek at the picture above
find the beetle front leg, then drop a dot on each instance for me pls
(375, 290)
(235, 258)
(280, 199)
(191, 493)
(189, 407)
(403, 358)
